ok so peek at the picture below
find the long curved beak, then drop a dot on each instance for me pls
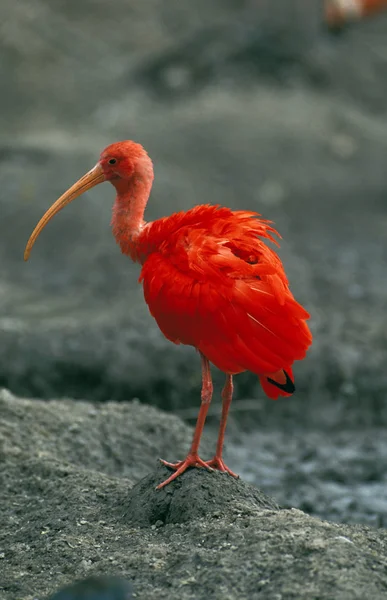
(91, 179)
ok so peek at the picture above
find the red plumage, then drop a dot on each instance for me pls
(210, 281)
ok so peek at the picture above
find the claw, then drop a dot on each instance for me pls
(175, 465)
(218, 464)
(192, 460)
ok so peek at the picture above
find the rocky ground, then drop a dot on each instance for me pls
(237, 104)
(75, 503)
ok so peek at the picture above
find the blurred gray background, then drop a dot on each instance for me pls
(253, 104)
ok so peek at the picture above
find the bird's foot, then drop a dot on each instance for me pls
(217, 463)
(192, 460)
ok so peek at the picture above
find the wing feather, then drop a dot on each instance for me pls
(214, 284)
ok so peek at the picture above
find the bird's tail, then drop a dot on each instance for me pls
(277, 384)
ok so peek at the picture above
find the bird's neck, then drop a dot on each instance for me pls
(128, 210)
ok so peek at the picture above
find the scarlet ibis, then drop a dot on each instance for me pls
(338, 12)
(209, 280)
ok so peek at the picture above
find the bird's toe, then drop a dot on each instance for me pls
(171, 465)
(218, 464)
(192, 460)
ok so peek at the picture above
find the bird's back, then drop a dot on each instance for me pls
(211, 282)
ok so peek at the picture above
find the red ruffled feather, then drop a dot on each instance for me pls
(210, 281)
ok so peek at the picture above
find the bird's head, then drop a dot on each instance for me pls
(122, 160)
(119, 163)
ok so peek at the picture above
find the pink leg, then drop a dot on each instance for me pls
(217, 462)
(193, 459)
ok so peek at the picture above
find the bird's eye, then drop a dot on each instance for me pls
(112, 161)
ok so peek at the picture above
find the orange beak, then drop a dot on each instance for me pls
(88, 181)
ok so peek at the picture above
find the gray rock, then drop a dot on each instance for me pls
(68, 511)
(146, 506)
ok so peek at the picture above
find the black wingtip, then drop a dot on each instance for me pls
(288, 387)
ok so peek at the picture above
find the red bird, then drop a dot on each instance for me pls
(338, 12)
(209, 281)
